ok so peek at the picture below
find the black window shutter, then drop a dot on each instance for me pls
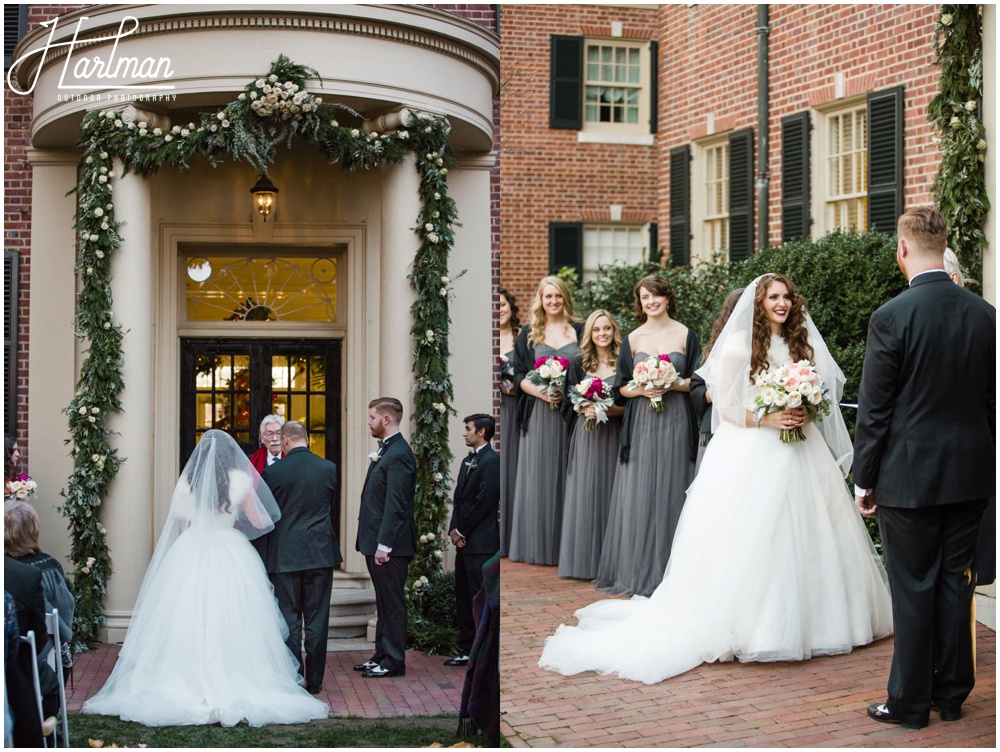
(566, 247)
(885, 159)
(795, 220)
(15, 26)
(741, 194)
(566, 95)
(10, 275)
(654, 243)
(654, 72)
(680, 206)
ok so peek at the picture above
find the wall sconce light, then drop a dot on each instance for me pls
(265, 194)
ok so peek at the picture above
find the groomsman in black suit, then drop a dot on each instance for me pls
(387, 534)
(474, 524)
(925, 462)
(302, 551)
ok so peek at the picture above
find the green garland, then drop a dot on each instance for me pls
(272, 110)
(959, 188)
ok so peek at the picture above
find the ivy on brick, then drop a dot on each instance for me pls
(271, 111)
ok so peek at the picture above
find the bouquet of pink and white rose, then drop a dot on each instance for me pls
(21, 487)
(549, 375)
(654, 371)
(792, 385)
(596, 392)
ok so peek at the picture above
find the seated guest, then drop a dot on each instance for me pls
(20, 542)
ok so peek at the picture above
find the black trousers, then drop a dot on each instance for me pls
(304, 601)
(468, 582)
(389, 580)
(929, 554)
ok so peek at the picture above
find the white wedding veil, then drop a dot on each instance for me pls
(218, 491)
(727, 374)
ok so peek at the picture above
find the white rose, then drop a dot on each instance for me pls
(175, 129)
(768, 396)
(805, 388)
(970, 106)
(438, 477)
(259, 83)
(439, 554)
(89, 160)
(143, 131)
(440, 162)
(253, 95)
(83, 411)
(431, 536)
(107, 324)
(99, 254)
(946, 19)
(436, 214)
(417, 584)
(242, 96)
(109, 114)
(444, 170)
(109, 207)
(423, 538)
(213, 128)
(815, 398)
(93, 238)
(143, 124)
(220, 116)
(272, 78)
(428, 227)
(423, 579)
(95, 458)
(98, 212)
(794, 399)
(91, 418)
(168, 138)
(91, 561)
(355, 132)
(157, 132)
(185, 132)
(103, 171)
(403, 134)
(445, 280)
(225, 123)
(102, 178)
(780, 399)
(104, 155)
(437, 196)
(433, 237)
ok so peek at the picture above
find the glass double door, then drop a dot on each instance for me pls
(233, 384)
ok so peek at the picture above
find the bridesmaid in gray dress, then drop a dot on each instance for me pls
(657, 449)
(510, 434)
(541, 457)
(593, 455)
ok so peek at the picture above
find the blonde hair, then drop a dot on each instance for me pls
(537, 317)
(588, 350)
(20, 529)
(925, 230)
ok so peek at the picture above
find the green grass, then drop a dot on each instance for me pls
(421, 731)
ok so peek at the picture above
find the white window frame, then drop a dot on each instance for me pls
(601, 132)
(700, 216)
(829, 205)
(590, 266)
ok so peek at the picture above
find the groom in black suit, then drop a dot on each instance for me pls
(474, 527)
(925, 462)
(387, 534)
(302, 550)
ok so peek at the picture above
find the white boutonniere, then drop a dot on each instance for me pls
(374, 456)
(472, 465)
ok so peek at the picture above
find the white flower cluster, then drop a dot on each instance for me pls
(270, 97)
(427, 537)
(421, 582)
(86, 567)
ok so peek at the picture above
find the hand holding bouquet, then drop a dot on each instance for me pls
(549, 375)
(790, 386)
(654, 371)
(506, 374)
(596, 392)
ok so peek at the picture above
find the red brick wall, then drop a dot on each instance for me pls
(545, 175)
(708, 64)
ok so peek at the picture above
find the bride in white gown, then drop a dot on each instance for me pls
(207, 642)
(770, 561)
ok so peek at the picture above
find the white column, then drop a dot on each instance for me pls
(52, 367)
(127, 512)
(400, 207)
(471, 363)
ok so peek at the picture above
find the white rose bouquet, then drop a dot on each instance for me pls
(549, 375)
(21, 487)
(596, 392)
(792, 385)
(654, 371)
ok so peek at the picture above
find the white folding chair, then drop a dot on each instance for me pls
(29, 641)
(52, 625)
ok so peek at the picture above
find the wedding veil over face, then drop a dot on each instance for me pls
(727, 373)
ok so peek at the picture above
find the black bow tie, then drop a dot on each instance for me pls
(471, 455)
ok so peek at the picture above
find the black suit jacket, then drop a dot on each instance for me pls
(926, 431)
(24, 583)
(386, 514)
(477, 501)
(305, 487)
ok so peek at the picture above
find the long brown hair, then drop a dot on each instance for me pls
(538, 316)
(793, 331)
(658, 286)
(727, 310)
(588, 350)
(515, 322)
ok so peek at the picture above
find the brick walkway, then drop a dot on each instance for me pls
(429, 687)
(817, 703)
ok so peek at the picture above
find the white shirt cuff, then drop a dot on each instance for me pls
(859, 491)
(386, 549)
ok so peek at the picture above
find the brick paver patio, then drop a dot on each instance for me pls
(429, 687)
(817, 703)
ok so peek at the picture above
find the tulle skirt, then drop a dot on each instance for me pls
(206, 644)
(770, 562)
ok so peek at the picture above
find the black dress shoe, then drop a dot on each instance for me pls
(366, 666)
(382, 673)
(462, 660)
(878, 711)
(314, 690)
(947, 715)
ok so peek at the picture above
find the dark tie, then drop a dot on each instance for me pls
(472, 456)
(381, 445)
